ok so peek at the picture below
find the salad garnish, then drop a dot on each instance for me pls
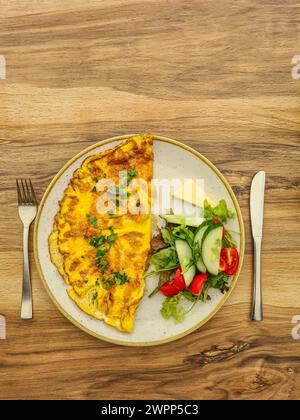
(195, 258)
(220, 211)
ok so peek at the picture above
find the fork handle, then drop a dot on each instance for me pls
(257, 307)
(26, 305)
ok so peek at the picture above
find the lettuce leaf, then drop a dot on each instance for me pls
(203, 296)
(183, 232)
(167, 236)
(165, 258)
(219, 282)
(171, 308)
(220, 211)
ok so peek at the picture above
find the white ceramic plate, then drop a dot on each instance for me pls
(171, 160)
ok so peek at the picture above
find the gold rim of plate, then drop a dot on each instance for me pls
(199, 324)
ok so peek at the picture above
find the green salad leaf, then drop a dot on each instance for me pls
(228, 241)
(164, 260)
(218, 282)
(168, 236)
(220, 211)
(171, 308)
(194, 298)
(183, 232)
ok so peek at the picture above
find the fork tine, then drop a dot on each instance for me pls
(25, 198)
(19, 192)
(28, 192)
(32, 192)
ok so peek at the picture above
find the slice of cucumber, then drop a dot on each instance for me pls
(200, 232)
(178, 219)
(201, 266)
(211, 249)
(185, 256)
(198, 238)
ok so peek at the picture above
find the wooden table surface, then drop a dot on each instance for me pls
(214, 75)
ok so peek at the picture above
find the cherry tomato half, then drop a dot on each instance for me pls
(169, 289)
(223, 264)
(231, 257)
(178, 281)
(197, 284)
(174, 286)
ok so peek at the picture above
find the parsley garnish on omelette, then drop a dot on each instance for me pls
(102, 257)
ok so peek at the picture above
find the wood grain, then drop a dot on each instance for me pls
(216, 77)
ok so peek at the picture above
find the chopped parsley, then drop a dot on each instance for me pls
(120, 193)
(103, 243)
(101, 251)
(120, 278)
(92, 219)
(114, 279)
(97, 241)
(112, 236)
(131, 173)
(102, 263)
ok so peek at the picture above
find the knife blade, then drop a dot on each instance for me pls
(257, 193)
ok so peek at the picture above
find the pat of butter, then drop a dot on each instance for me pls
(191, 192)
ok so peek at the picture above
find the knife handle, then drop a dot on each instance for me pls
(257, 309)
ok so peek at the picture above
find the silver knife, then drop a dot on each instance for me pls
(257, 194)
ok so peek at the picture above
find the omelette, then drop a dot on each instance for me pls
(100, 242)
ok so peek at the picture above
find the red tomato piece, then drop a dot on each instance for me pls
(169, 289)
(223, 264)
(174, 286)
(231, 257)
(178, 281)
(197, 284)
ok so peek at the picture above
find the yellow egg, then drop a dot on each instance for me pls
(103, 256)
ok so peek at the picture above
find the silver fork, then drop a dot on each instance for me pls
(27, 205)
